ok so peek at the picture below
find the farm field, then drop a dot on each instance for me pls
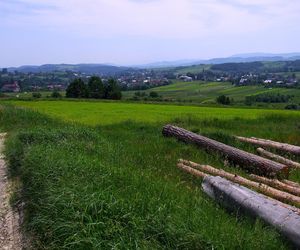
(104, 113)
(202, 92)
(100, 175)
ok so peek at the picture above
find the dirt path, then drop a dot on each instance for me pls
(10, 236)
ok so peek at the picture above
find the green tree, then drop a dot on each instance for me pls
(96, 87)
(112, 90)
(77, 89)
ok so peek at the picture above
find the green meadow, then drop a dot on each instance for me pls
(99, 175)
(103, 113)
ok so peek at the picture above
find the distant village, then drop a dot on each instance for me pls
(138, 79)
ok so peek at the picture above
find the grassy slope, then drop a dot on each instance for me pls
(207, 92)
(116, 186)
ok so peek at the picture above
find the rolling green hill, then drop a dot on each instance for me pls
(206, 93)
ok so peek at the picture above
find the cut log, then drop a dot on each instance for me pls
(247, 160)
(265, 189)
(3, 135)
(241, 199)
(291, 183)
(271, 144)
(278, 158)
(276, 184)
(191, 170)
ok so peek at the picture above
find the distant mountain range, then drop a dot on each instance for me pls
(84, 68)
(239, 58)
(112, 69)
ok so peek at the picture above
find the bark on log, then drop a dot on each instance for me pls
(291, 183)
(265, 189)
(276, 184)
(271, 144)
(278, 158)
(238, 198)
(191, 171)
(3, 135)
(253, 162)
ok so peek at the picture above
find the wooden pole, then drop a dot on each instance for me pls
(291, 183)
(276, 184)
(246, 160)
(278, 158)
(271, 144)
(265, 189)
(241, 199)
(191, 170)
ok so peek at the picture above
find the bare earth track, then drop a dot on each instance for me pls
(10, 236)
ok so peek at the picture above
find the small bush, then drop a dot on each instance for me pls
(36, 95)
(292, 106)
(222, 99)
(153, 94)
(55, 94)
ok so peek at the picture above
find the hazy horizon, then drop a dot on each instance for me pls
(130, 32)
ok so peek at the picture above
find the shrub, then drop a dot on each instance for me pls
(222, 99)
(153, 94)
(292, 106)
(36, 95)
(55, 94)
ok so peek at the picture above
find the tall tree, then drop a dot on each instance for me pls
(112, 90)
(77, 89)
(96, 87)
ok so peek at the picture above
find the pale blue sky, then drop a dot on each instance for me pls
(142, 31)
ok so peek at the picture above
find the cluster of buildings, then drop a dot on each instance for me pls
(268, 79)
(141, 82)
(11, 87)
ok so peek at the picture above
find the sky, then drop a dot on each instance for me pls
(128, 32)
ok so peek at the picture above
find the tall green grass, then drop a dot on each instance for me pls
(116, 185)
(106, 113)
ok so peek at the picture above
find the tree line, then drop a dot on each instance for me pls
(268, 98)
(95, 88)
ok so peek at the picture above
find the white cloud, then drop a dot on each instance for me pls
(146, 30)
(158, 18)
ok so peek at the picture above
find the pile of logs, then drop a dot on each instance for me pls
(271, 144)
(234, 192)
(276, 201)
(244, 159)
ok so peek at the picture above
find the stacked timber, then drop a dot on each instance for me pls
(225, 189)
(278, 158)
(244, 159)
(203, 170)
(271, 144)
(234, 191)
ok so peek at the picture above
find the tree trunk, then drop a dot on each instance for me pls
(271, 144)
(276, 184)
(265, 189)
(253, 162)
(241, 199)
(291, 183)
(278, 158)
